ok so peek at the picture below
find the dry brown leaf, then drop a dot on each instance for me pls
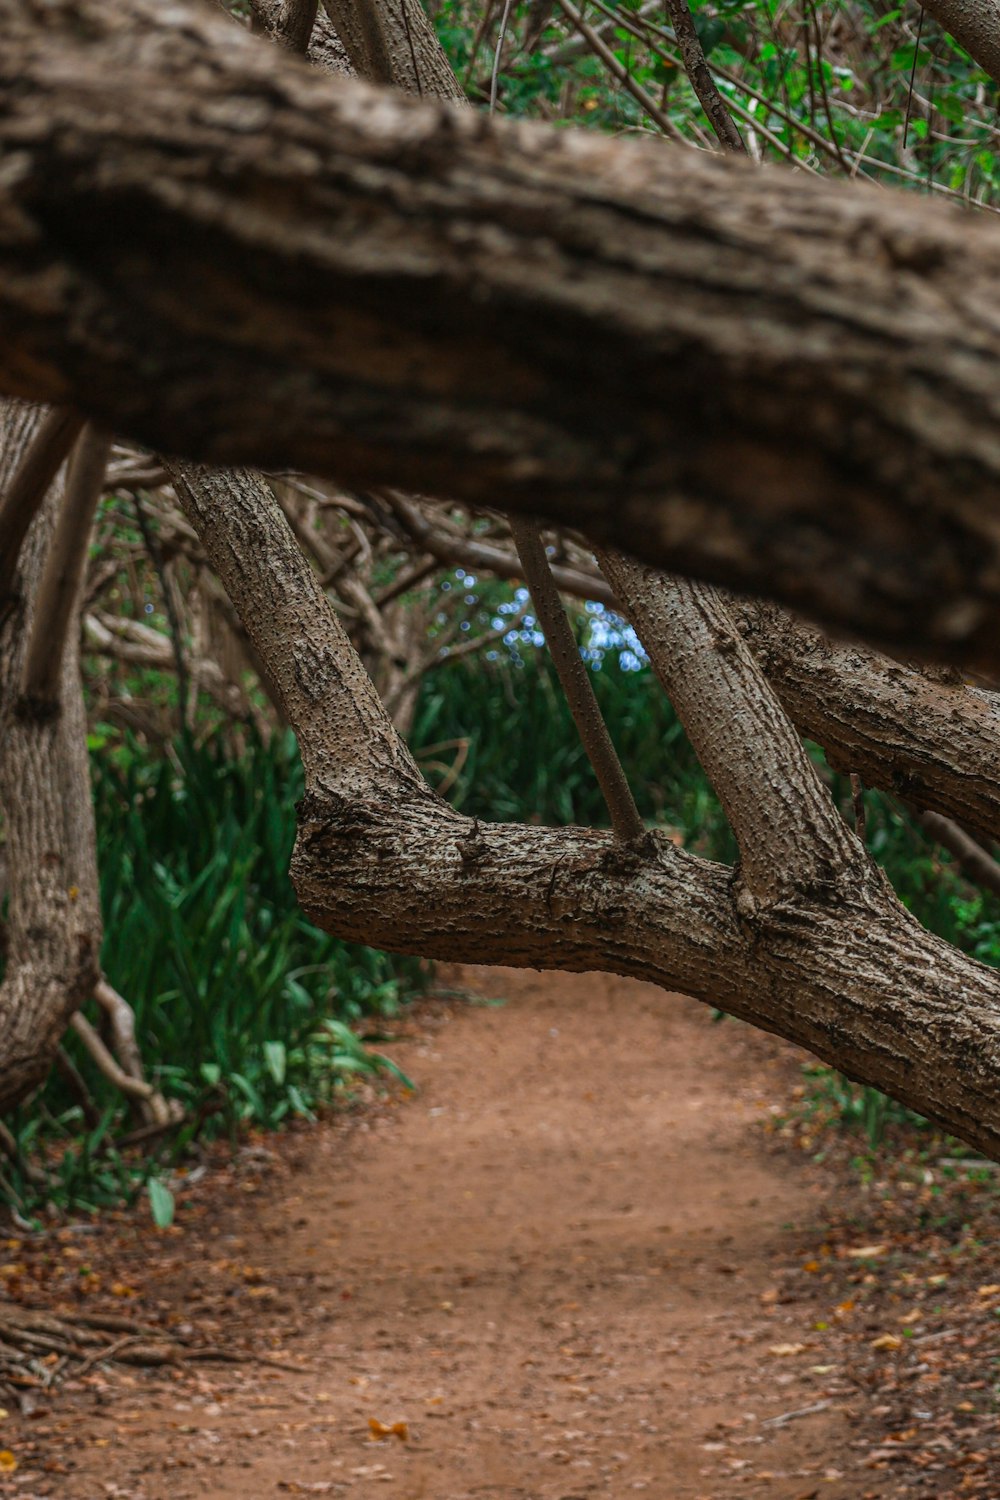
(887, 1341)
(382, 1430)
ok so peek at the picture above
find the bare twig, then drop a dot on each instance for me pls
(156, 558)
(133, 1088)
(575, 681)
(488, 556)
(791, 1416)
(696, 67)
(501, 38)
(974, 861)
(59, 589)
(618, 70)
(10, 1147)
(74, 1078)
(26, 491)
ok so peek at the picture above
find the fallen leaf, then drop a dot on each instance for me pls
(866, 1252)
(887, 1341)
(781, 1351)
(382, 1430)
(8, 1463)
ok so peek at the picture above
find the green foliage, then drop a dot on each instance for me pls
(242, 1006)
(522, 758)
(845, 90)
(830, 1097)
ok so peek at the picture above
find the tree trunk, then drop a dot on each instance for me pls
(54, 922)
(785, 385)
(830, 959)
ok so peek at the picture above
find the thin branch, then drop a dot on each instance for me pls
(618, 70)
(40, 465)
(791, 837)
(156, 558)
(480, 555)
(59, 589)
(973, 860)
(132, 1088)
(696, 67)
(159, 1110)
(71, 1073)
(575, 681)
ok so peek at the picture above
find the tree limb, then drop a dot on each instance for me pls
(637, 302)
(843, 970)
(29, 485)
(57, 604)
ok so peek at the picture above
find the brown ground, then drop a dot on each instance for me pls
(559, 1265)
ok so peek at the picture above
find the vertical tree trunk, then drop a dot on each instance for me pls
(54, 923)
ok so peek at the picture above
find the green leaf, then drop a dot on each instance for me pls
(276, 1059)
(161, 1202)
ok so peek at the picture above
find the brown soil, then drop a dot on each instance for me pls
(556, 1265)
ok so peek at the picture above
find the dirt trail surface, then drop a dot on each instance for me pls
(554, 1265)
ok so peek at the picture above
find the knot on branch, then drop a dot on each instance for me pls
(473, 848)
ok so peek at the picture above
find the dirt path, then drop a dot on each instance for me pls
(555, 1265)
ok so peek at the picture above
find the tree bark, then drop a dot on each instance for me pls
(974, 23)
(935, 743)
(784, 385)
(54, 922)
(844, 970)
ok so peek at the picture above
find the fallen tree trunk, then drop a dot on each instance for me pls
(788, 386)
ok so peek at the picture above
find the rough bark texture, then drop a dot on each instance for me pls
(394, 43)
(782, 384)
(791, 837)
(974, 23)
(843, 970)
(54, 926)
(935, 743)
